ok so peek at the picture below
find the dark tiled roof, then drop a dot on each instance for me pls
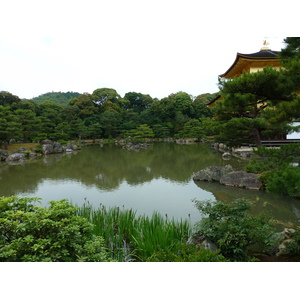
(213, 100)
(261, 55)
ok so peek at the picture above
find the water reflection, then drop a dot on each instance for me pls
(285, 210)
(159, 178)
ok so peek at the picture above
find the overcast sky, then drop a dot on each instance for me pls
(153, 47)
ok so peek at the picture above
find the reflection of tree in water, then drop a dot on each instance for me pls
(108, 166)
(283, 209)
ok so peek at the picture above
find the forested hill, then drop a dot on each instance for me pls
(57, 97)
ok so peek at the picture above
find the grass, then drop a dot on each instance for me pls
(135, 238)
(17, 146)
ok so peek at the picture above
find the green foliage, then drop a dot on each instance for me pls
(245, 99)
(34, 234)
(278, 175)
(137, 101)
(293, 246)
(186, 253)
(141, 132)
(56, 97)
(8, 99)
(234, 230)
(102, 114)
(273, 158)
(129, 237)
(284, 181)
(192, 129)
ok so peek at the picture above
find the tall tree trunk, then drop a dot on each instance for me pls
(256, 137)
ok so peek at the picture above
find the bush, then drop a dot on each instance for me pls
(284, 181)
(292, 248)
(235, 232)
(186, 253)
(273, 158)
(33, 233)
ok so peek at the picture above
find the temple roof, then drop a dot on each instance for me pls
(242, 59)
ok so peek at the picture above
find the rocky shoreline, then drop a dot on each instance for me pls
(45, 147)
(229, 176)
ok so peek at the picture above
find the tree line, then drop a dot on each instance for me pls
(102, 114)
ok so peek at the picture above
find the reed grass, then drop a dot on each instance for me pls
(132, 238)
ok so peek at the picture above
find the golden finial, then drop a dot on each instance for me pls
(265, 45)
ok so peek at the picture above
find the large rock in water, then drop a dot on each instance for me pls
(16, 157)
(241, 179)
(47, 148)
(213, 173)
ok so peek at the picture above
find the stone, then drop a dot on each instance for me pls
(46, 142)
(226, 155)
(212, 173)
(241, 179)
(16, 157)
(57, 147)
(69, 146)
(197, 239)
(47, 148)
(3, 153)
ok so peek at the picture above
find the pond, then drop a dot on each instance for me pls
(158, 178)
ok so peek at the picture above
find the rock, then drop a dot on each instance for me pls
(44, 142)
(3, 153)
(57, 147)
(212, 173)
(226, 155)
(47, 148)
(288, 232)
(69, 146)
(198, 239)
(16, 157)
(241, 179)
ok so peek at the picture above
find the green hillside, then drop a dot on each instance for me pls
(57, 97)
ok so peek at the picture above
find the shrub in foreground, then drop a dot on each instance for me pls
(36, 234)
(234, 230)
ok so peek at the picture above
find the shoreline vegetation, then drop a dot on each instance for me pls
(63, 232)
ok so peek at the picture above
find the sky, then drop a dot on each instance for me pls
(152, 47)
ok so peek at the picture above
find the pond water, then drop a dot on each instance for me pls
(158, 178)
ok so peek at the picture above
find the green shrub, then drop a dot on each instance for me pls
(292, 247)
(284, 181)
(234, 230)
(273, 158)
(33, 233)
(186, 253)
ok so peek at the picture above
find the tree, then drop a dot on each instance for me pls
(29, 124)
(141, 132)
(245, 99)
(137, 101)
(192, 129)
(30, 233)
(7, 99)
(110, 123)
(85, 104)
(9, 127)
(49, 114)
(105, 94)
